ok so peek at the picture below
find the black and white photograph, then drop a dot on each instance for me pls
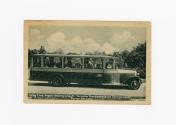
(87, 62)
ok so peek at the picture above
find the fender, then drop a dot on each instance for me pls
(133, 78)
(61, 76)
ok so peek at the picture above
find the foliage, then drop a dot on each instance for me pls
(135, 59)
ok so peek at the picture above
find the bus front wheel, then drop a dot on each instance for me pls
(134, 84)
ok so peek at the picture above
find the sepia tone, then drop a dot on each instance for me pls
(87, 62)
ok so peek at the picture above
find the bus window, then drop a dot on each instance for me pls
(76, 63)
(57, 62)
(98, 63)
(86, 62)
(90, 63)
(73, 62)
(93, 63)
(47, 62)
(67, 63)
(53, 62)
(36, 61)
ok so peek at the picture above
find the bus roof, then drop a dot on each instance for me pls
(64, 55)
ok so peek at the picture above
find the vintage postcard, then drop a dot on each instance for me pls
(87, 62)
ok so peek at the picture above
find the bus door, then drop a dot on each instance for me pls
(111, 75)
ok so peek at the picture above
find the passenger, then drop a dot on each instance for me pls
(76, 62)
(99, 66)
(78, 65)
(69, 63)
(52, 63)
(57, 62)
(109, 64)
(37, 62)
(86, 63)
(47, 62)
(90, 64)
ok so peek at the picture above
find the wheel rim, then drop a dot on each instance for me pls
(58, 81)
(135, 84)
(54, 82)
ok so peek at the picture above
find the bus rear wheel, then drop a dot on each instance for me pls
(56, 82)
(134, 84)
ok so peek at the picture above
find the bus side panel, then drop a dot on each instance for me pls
(45, 76)
(82, 78)
(40, 76)
(100, 78)
(70, 77)
(76, 77)
(125, 76)
(92, 78)
(108, 78)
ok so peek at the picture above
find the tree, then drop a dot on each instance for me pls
(59, 51)
(119, 59)
(137, 59)
(42, 50)
(124, 55)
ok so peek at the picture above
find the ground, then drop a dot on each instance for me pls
(45, 91)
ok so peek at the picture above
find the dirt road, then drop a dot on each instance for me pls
(118, 91)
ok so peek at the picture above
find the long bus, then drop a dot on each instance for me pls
(62, 70)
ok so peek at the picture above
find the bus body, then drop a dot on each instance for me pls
(60, 70)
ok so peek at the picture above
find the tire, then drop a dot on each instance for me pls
(56, 82)
(134, 84)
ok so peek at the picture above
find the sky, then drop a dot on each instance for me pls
(81, 39)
